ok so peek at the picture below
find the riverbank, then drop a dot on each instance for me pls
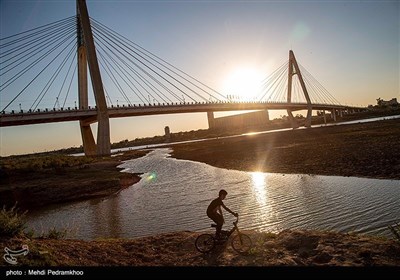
(31, 182)
(288, 248)
(362, 150)
(337, 149)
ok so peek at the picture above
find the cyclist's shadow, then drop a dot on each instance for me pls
(213, 257)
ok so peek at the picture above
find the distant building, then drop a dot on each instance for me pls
(392, 102)
(167, 133)
(252, 119)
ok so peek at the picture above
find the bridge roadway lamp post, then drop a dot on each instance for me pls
(87, 48)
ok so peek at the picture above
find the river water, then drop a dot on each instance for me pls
(173, 196)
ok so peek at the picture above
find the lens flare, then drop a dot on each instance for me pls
(151, 177)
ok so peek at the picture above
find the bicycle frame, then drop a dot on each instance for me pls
(241, 242)
(235, 228)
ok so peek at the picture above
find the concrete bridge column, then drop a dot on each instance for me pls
(293, 122)
(308, 119)
(340, 113)
(333, 114)
(211, 120)
(89, 146)
(103, 128)
(323, 113)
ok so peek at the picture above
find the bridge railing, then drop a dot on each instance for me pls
(160, 105)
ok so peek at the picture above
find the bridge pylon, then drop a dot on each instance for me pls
(87, 56)
(295, 70)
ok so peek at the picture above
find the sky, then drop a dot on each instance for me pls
(351, 47)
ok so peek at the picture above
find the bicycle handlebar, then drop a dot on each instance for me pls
(237, 220)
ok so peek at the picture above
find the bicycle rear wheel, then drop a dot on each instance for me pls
(241, 243)
(205, 243)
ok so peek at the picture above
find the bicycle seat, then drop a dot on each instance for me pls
(213, 225)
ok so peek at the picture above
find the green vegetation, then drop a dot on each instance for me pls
(54, 233)
(12, 222)
(30, 163)
(38, 180)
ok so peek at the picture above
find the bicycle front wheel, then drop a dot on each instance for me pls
(205, 243)
(241, 243)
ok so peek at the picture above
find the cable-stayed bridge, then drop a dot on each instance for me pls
(44, 78)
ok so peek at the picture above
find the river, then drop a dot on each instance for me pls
(173, 196)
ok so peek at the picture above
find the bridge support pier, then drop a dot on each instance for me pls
(211, 120)
(103, 130)
(333, 114)
(103, 134)
(323, 113)
(89, 146)
(308, 118)
(293, 122)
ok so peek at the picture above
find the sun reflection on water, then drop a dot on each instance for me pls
(259, 186)
(266, 217)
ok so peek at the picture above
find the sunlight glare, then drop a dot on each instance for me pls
(258, 180)
(243, 84)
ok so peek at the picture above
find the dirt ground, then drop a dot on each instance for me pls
(362, 150)
(288, 248)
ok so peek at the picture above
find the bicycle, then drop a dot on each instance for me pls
(241, 242)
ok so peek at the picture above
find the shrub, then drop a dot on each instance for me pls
(12, 222)
(53, 233)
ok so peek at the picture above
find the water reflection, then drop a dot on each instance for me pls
(106, 218)
(260, 188)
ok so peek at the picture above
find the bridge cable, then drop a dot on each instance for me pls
(52, 78)
(271, 82)
(106, 67)
(36, 75)
(139, 67)
(35, 62)
(145, 52)
(70, 83)
(158, 74)
(29, 45)
(151, 55)
(49, 25)
(65, 79)
(329, 97)
(134, 71)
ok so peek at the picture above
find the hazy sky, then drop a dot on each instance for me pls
(351, 47)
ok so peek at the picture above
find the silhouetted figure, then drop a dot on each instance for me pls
(215, 207)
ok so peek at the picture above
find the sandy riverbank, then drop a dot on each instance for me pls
(361, 150)
(288, 248)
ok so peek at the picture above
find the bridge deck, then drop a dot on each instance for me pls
(90, 115)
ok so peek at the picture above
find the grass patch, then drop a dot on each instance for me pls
(54, 233)
(12, 222)
(38, 163)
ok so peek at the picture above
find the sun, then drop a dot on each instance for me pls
(243, 84)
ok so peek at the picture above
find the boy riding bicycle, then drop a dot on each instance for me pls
(214, 208)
